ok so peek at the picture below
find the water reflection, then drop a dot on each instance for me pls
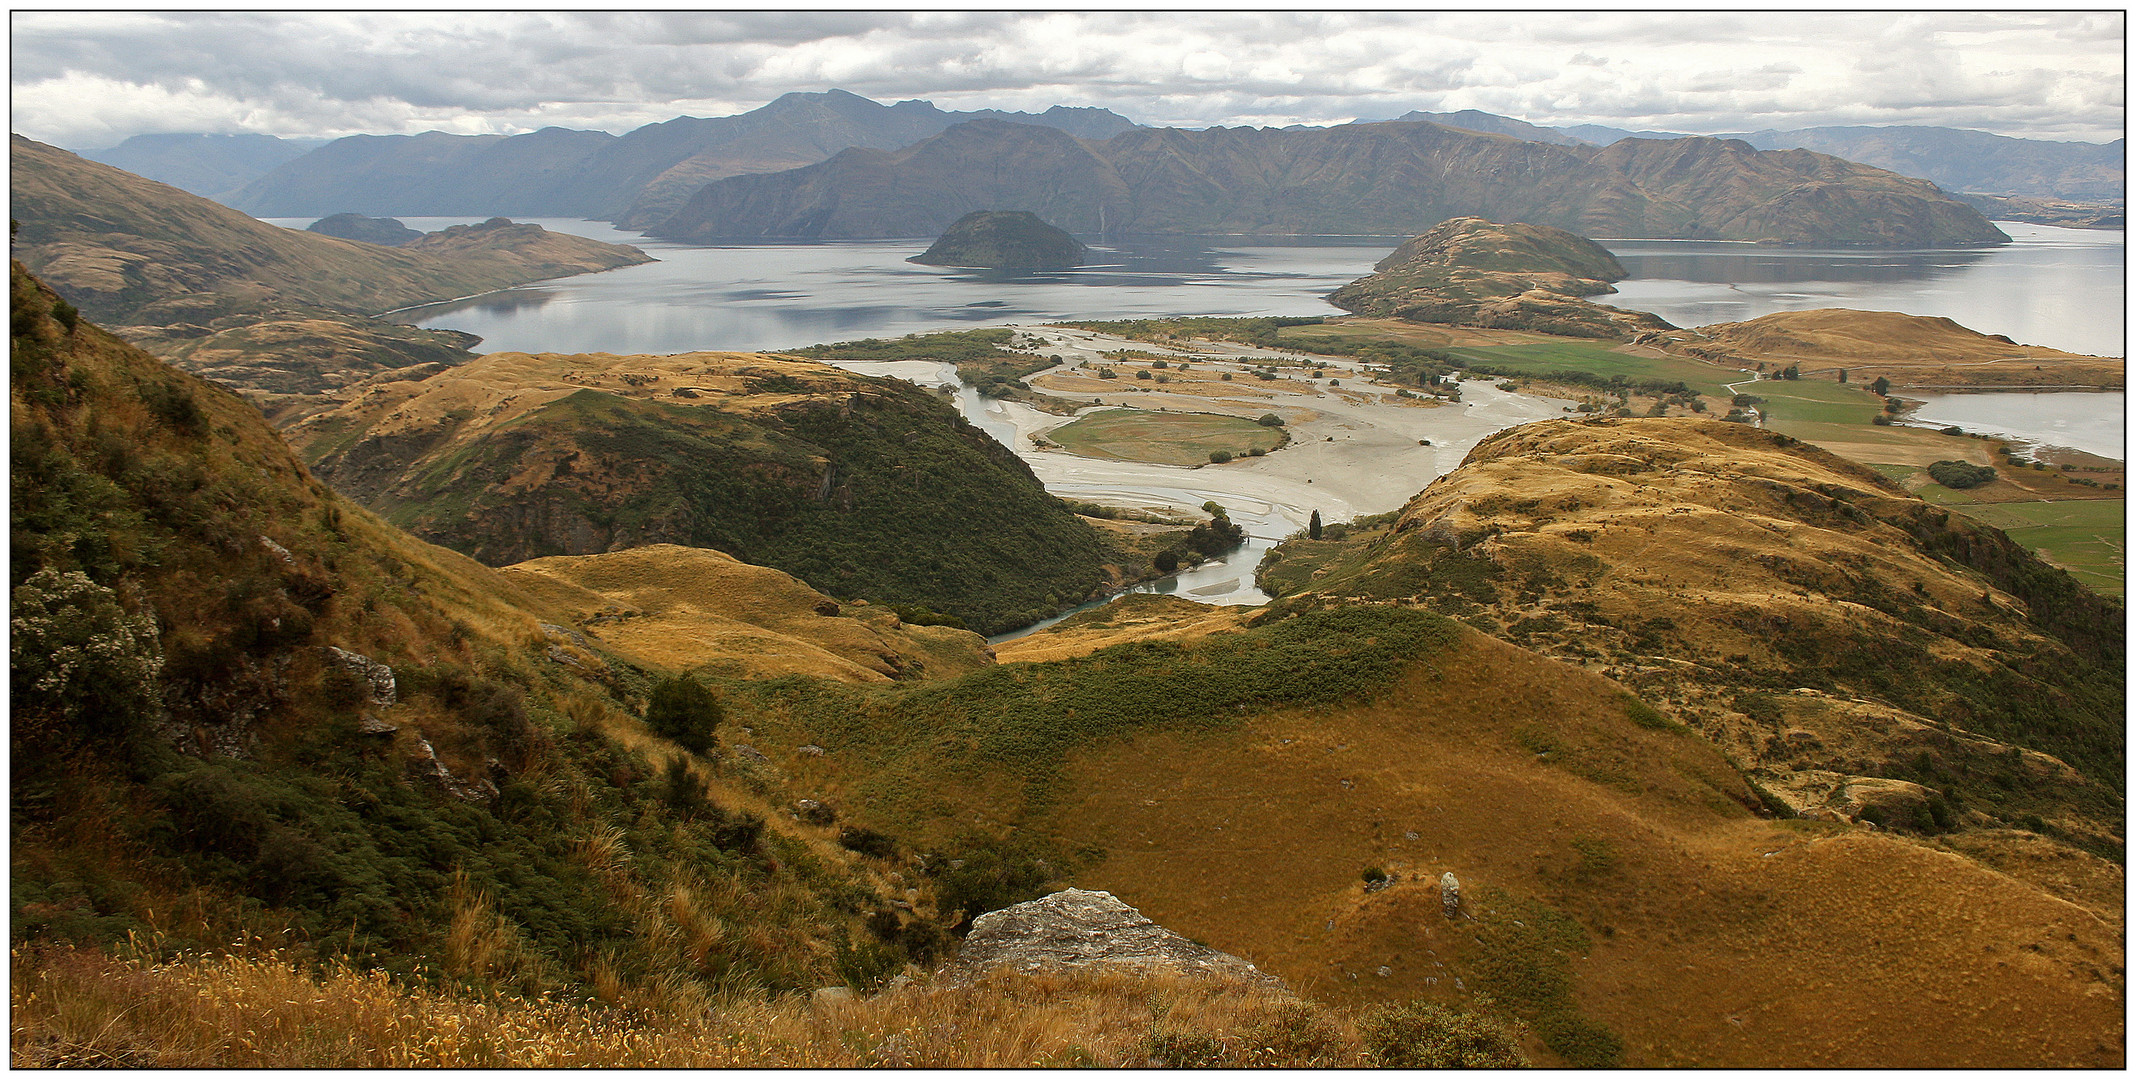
(2062, 288)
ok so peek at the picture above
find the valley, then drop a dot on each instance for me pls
(688, 704)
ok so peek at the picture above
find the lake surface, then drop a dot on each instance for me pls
(2093, 423)
(2062, 288)
(2057, 287)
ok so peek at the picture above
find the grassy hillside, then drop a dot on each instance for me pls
(128, 250)
(863, 487)
(1910, 350)
(1856, 650)
(193, 770)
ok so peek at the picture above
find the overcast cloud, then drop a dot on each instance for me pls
(86, 80)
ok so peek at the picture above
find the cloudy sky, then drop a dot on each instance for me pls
(86, 80)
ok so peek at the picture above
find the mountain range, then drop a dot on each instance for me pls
(1377, 179)
(633, 179)
(1955, 159)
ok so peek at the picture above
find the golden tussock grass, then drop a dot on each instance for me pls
(83, 1009)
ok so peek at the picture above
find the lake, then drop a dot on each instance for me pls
(2057, 287)
(2092, 422)
(2061, 288)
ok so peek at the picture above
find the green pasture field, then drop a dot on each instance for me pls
(1542, 359)
(1163, 438)
(2087, 537)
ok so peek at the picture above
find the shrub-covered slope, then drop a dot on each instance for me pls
(460, 795)
(1003, 240)
(1857, 651)
(863, 487)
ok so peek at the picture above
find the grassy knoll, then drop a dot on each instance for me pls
(1164, 438)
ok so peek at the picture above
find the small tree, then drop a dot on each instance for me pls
(681, 709)
(1312, 526)
(1270, 420)
(1881, 386)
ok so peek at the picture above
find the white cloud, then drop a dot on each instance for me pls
(90, 79)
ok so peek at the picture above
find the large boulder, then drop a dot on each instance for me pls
(1083, 930)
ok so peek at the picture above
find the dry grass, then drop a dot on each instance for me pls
(683, 608)
(81, 1009)
(1165, 438)
(1910, 350)
(1716, 938)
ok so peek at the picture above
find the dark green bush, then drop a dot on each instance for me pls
(681, 709)
(1960, 474)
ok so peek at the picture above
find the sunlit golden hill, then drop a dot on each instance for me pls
(1857, 651)
(1926, 352)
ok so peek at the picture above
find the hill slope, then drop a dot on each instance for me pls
(131, 250)
(1854, 649)
(1385, 179)
(1910, 350)
(1474, 272)
(243, 708)
(206, 165)
(862, 487)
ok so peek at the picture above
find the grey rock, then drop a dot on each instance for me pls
(812, 750)
(557, 653)
(1084, 930)
(564, 633)
(425, 766)
(814, 813)
(376, 677)
(831, 996)
(279, 551)
(366, 724)
(1450, 895)
(750, 754)
(1383, 971)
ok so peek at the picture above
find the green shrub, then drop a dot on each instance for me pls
(1218, 457)
(1420, 1035)
(1270, 420)
(682, 710)
(1960, 474)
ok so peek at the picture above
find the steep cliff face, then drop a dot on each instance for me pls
(1387, 179)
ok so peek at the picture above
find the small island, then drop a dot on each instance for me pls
(1514, 276)
(1004, 240)
(386, 232)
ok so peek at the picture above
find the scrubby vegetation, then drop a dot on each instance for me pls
(1960, 474)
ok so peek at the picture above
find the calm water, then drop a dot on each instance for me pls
(2061, 288)
(2056, 287)
(2092, 423)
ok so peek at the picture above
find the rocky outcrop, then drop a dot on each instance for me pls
(374, 677)
(1084, 930)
